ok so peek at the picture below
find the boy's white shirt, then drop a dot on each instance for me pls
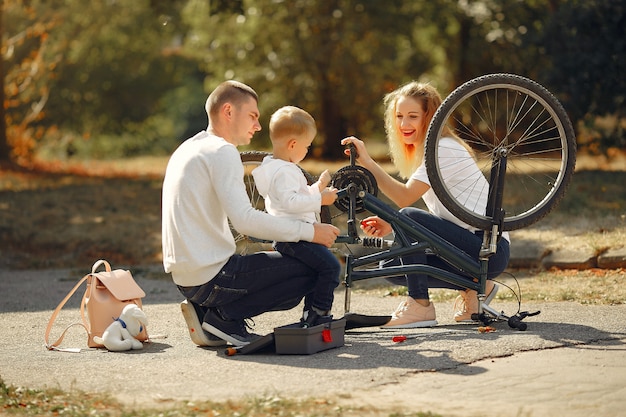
(203, 189)
(468, 179)
(285, 190)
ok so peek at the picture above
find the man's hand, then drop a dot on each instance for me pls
(325, 234)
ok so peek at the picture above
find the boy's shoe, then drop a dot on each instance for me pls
(234, 332)
(192, 314)
(311, 318)
(411, 314)
(466, 304)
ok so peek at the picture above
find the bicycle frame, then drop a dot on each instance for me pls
(406, 228)
(412, 237)
(358, 184)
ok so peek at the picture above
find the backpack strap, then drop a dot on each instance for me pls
(86, 325)
(55, 345)
(107, 266)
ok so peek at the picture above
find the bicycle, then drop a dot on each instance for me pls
(518, 131)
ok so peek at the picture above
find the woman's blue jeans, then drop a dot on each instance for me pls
(465, 240)
(323, 261)
(249, 285)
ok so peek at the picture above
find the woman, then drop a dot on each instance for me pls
(408, 112)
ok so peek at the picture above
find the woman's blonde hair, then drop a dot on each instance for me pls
(408, 157)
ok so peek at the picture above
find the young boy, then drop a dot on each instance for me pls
(284, 187)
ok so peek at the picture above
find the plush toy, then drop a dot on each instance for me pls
(120, 335)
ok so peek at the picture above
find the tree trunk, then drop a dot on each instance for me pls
(465, 33)
(5, 151)
(334, 127)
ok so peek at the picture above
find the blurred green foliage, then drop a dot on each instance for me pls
(122, 78)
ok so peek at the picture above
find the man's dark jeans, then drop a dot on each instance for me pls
(249, 285)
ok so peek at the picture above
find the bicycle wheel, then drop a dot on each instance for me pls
(251, 160)
(503, 115)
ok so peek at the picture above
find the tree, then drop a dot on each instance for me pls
(586, 43)
(5, 150)
(334, 58)
(26, 75)
(489, 36)
(115, 67)
(77, 72)
(133, 76)
(575, 48)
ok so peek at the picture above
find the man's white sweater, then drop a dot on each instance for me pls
(202, 189)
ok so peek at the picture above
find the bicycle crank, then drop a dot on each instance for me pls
(361, 178)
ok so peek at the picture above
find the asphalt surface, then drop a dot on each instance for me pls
(570, 361)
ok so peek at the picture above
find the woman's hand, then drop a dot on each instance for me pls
(375, 226)
(362, 157)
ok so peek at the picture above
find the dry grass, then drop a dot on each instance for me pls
(591, 287)
(67, 221)
(28, 402)
(64, 215)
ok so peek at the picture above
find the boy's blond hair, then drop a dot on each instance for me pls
(291, 122)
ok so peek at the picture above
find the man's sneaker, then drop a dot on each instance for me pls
(311, 318)
(411, 314)
(234, 332)
(192, 314)
(466, 304)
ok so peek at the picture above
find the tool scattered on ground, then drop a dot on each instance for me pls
(486, 329)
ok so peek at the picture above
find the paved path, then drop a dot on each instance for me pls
(571, 360)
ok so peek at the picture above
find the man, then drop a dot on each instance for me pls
(203, 188)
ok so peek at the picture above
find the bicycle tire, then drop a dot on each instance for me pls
(509, 114)
(251, 160)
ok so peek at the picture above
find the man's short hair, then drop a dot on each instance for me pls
(230, 91)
